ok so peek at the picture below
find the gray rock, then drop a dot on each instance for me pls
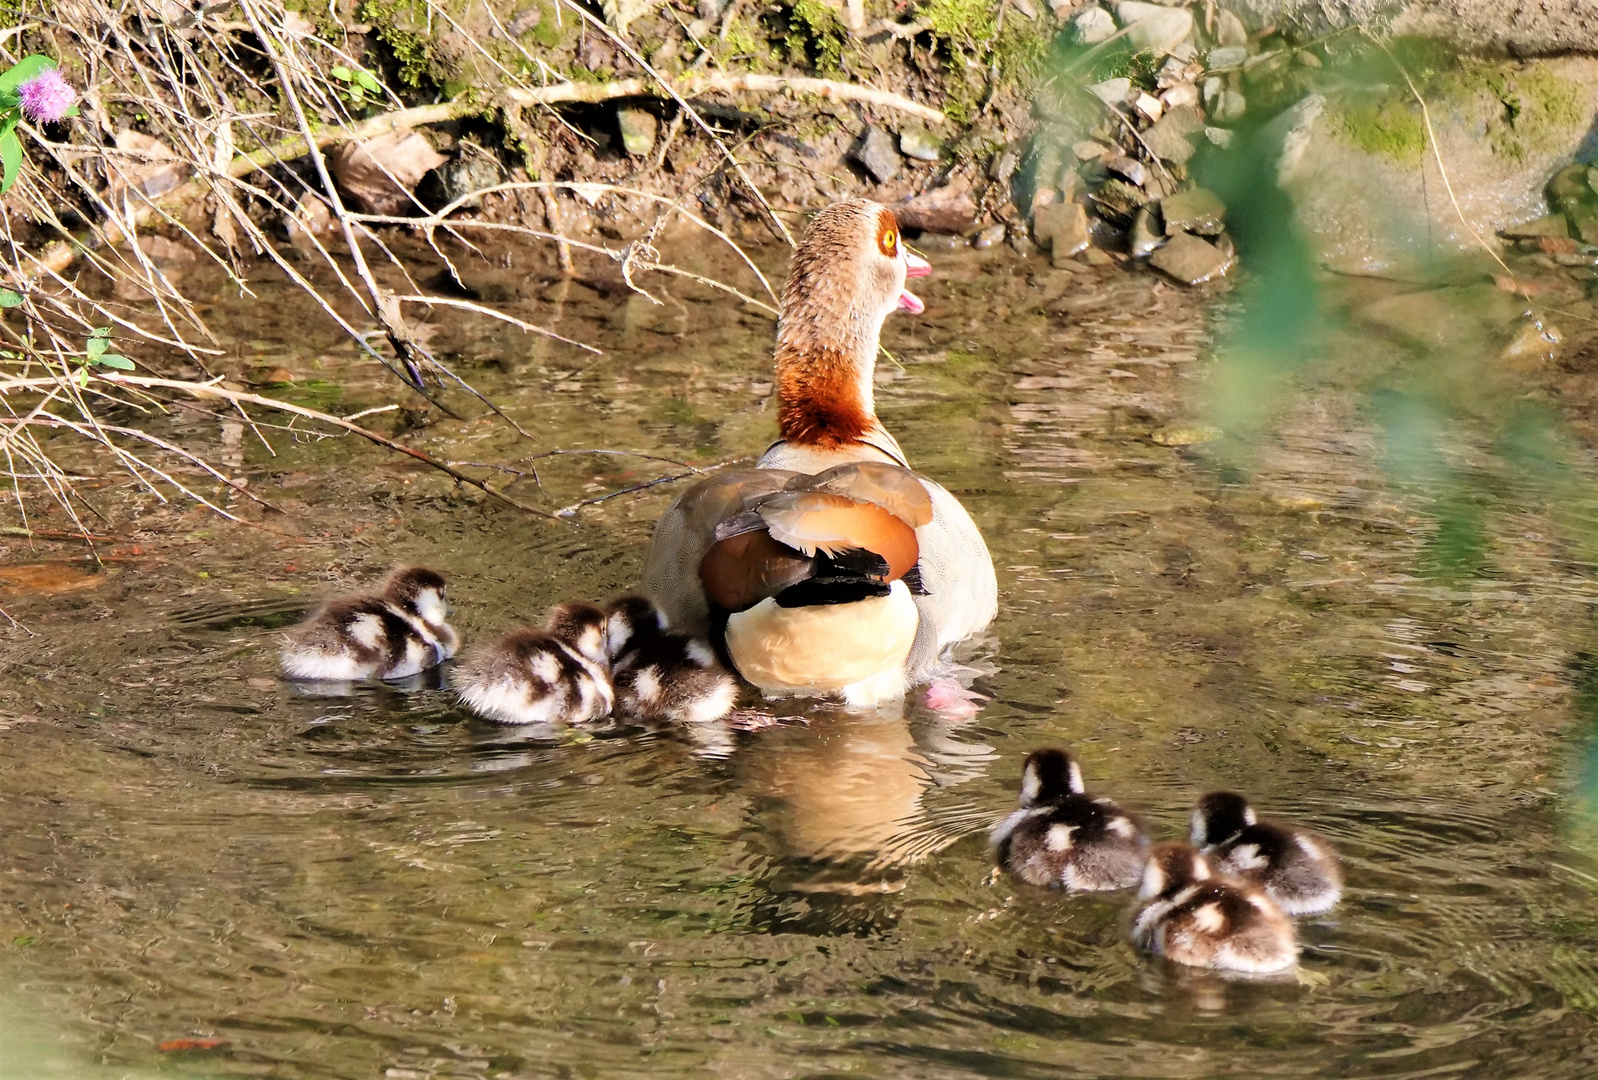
(1227, 56)
(1552, 225)
(993, 234)
(1211, 90)
(1196, 210)
(1169, 140)
(1088, 149)
(1112, 91)
(1092, 26)
(1190, 259)
(1129, 168)
(948, 209)
(1004, 166)
(934, 241)
(875, 154)
(461, 176)
(1218, 137)
(1230, 106)
(1145, 236)
(917, 142)
(1154, 29)
(1229, 29)
(1118, 201)
(1062, 228)
(638, 130)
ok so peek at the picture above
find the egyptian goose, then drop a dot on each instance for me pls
(659, 675)
(1063, 836)
(1299, 871)
(1194, 916)
(831, 567)
(394, 633)
(557, 675)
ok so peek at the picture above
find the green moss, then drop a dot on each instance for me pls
(815, 35)
(960, 20)
(1537, 106)
(1389, 128)
(390, 21)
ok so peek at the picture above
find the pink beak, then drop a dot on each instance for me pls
(914, 266)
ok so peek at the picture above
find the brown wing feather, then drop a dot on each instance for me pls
(833, 523)
(743, 570)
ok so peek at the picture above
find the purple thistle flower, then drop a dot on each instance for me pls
(47, 96)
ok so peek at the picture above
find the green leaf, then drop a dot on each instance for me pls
(121, 363)
(25, 69)
(342, 72)
(10, 299)
(96, 347)
(72, 110)
(368, 82)
(10, 160)
(81, 377)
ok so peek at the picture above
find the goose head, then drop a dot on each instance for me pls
(847, 276)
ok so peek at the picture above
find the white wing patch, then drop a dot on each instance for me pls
(1059, 837)
(646, 684)
(1121, 827)
(700, 654)
(1208, 918)
(1247, 857)
(367, 630)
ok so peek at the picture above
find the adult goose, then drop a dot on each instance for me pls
(830, 567)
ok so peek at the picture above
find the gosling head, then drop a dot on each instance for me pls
(580, 626)
(631, 617)
(1172, 868)
(418, 591)
(1048, 776)
(1219, 815)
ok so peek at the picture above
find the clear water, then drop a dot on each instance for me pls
(379, 886)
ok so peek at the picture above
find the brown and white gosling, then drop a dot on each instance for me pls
(557, 675)
(1064, 837)
(1194, 916)
(395, 633)
(659, 675)
(1299, 871)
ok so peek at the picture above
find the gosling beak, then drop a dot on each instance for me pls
(914, 266)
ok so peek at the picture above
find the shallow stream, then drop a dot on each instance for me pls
(380, 886)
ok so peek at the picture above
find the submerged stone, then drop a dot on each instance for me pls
(1112, 91)
(1227, 56)
(993, 234)
(1196, 210)
(1551, 225)
(1129, 168)
(1190, 259)
(1229, 29)
(1092, 26)
(1153, 28)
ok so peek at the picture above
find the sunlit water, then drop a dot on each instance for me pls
(378, 885)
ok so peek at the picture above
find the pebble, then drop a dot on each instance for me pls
(1211, 90)
(1230, 106)
(1181, 96)
(875, 154)
(917, 142)
(1092, 26)
(993, 234)
(1153, 28)
(931, 241)
(1088, 149)
(1218, 137)
(948, 209)
(638, 130)
(1149, 106)
(1190, 259)
(1307, 59)
(1196, 210)
(1227, 56)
